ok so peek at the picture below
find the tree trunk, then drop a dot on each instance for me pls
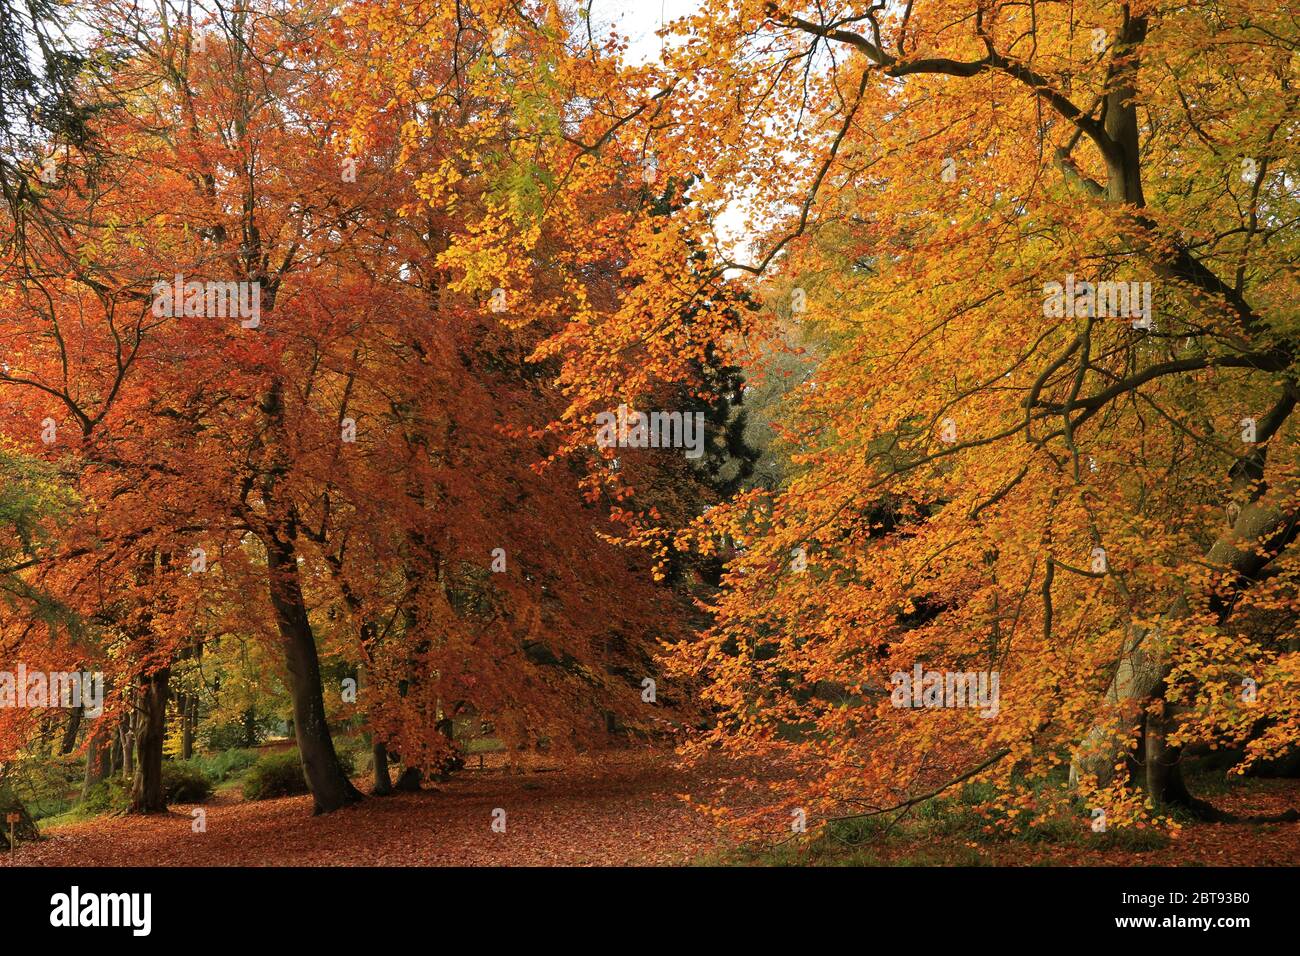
(409, 781)
(1259, 533)
(1163, 773)
(383, 782)
(49, 729)
(188, 706)
(96, 759)
(127, 737)
(1163, 779)
(70, 732)
(454, 761)
(115, 757)
(330, 786)
(150, 732)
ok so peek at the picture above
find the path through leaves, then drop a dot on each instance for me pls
(624, 809)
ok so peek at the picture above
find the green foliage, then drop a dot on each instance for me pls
(223, 766)
(851, 842)
(46, 807)
(276, 775)
(354, 753)
(237, 734)
(347, 760)
(182, 781)
(280, 775)
(48, 786)
(107, 796)
(185, 782)
(31, 492)
(945, 831)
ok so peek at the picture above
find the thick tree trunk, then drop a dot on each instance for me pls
(383, 782)
(330, 786)
(1124, 160)
(150, 732)
(1259, 533)
(1163, 774)
(1163, 778)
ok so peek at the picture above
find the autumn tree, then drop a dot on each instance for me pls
(349, 473)
(1051, 440)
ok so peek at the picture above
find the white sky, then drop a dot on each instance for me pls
(637, 21)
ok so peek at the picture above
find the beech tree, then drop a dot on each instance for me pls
(1051, 440)
(312, 350)
(350, 455)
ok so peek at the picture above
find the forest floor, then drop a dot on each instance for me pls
(625, 808)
